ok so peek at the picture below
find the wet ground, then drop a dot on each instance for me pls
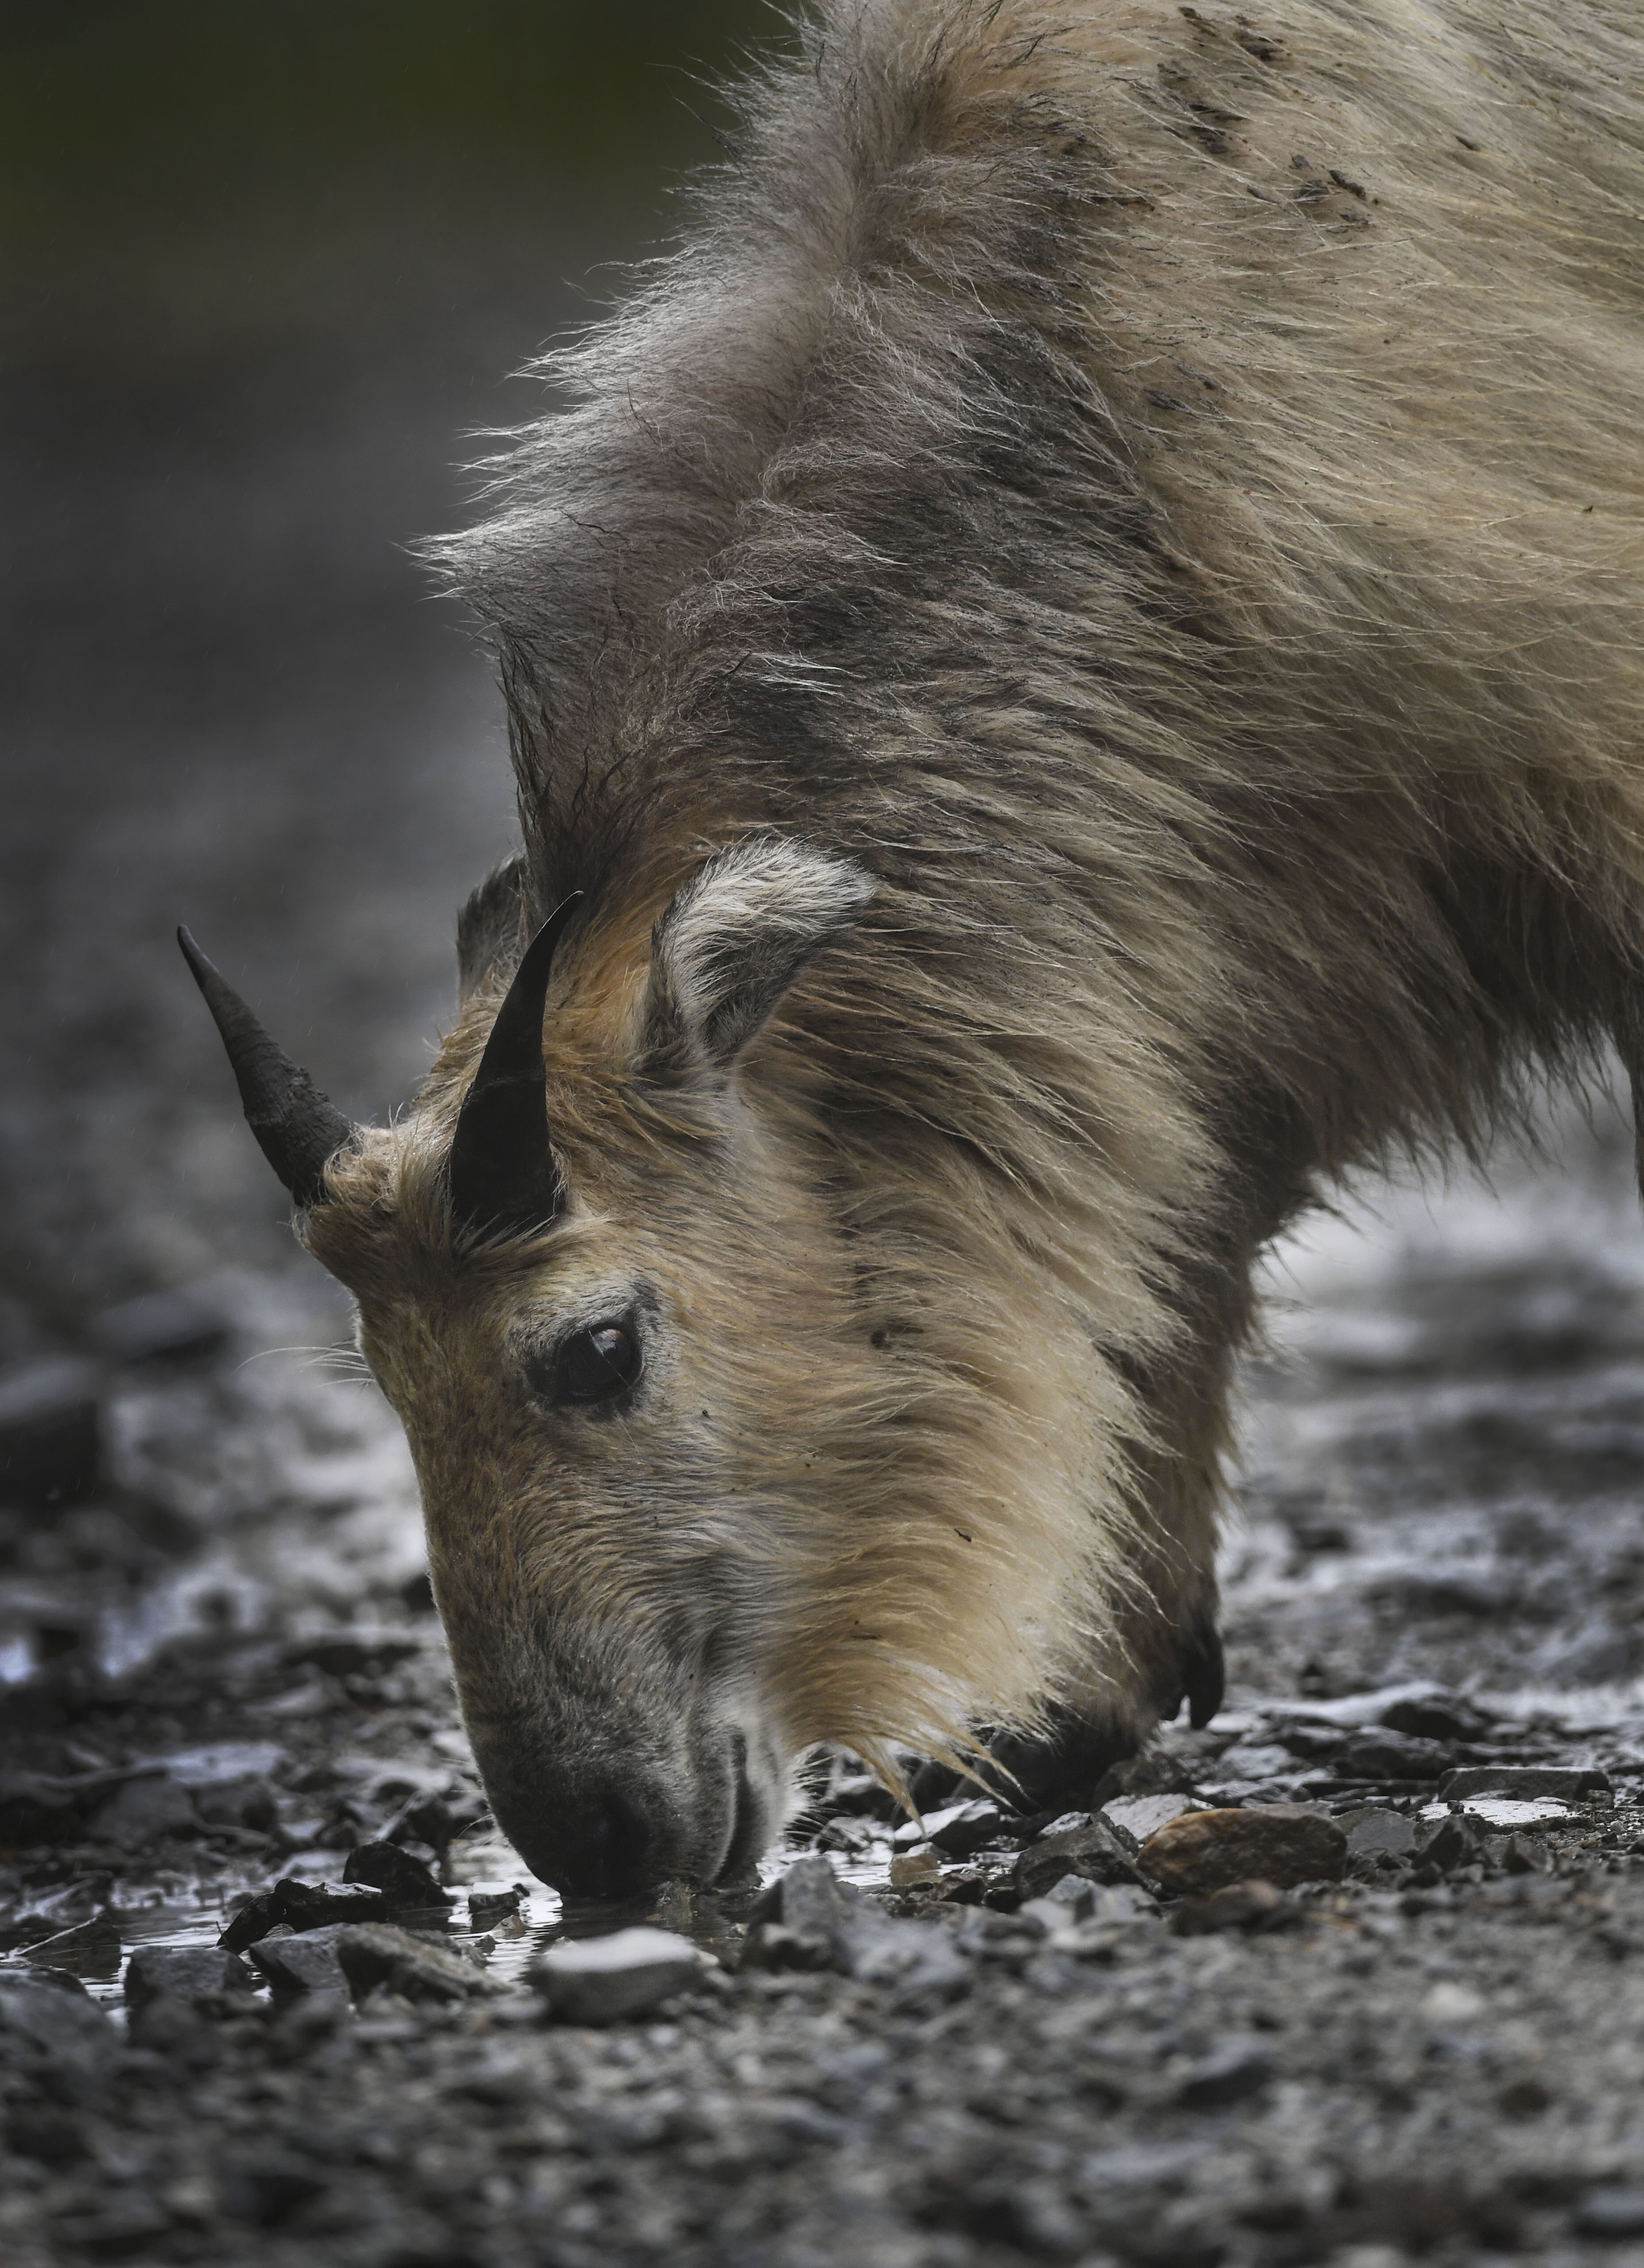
(221, 1674)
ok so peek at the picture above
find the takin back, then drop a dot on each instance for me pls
(1074, 658)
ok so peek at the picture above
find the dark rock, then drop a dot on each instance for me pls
(406, 1883)
(1373, 1834)
(964, 1826)
(1315, 1744)
(802, 1920)
(1229, 2073)
(416, 1593)
(92, 1948)
(1525, 1783)
(1439, 1717)
(1207, 1851)
(1611, 2213)
(312, 1905)
(188, 1972)
(376, 1955)
(601, 1980)
(1381, 1755)
(1522, 1858)
(1249, 1907)
(49, 1450)
(304, 1964)
(143, 1811)
(51, 2023)
(254, 1920)
(160, 1327)
(1095, 1850)
(438, 1820)
(486, 1907)
(1452, 1843)
(1071, 1900)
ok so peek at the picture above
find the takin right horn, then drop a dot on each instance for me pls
(501, 1173)
(298, 1129)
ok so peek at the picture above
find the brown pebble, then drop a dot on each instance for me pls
(1207, 1851)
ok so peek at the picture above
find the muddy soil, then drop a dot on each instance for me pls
(1041, 2041)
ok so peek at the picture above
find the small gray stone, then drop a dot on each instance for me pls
(307, 1962)
(1093, 1848)
(314, 1905)
(600, 1980)
(1373, 1834)
(374, 1953)
(1382, 1754)
(188, 1972)
(1229, 2073)
(1563, 1783)
(1071, 1900)
(802, 1920)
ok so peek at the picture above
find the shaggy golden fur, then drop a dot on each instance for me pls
(1158, 490)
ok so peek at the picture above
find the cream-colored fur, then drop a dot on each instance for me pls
(1159, 488)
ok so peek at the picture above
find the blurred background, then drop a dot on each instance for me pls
(264, 274)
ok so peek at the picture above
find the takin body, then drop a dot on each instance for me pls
(1073, 659)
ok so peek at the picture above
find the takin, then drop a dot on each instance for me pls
(1074, 658)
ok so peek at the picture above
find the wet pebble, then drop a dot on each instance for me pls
(406, 1883)
(301, 1963)
(187, 1972)
(375, 1955)
(602, 1980)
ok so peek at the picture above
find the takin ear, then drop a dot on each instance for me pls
(491, 927)
(733, 940)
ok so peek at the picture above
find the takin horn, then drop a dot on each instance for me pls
(298, 1129)
(502, 1172)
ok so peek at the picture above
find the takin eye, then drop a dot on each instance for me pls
(591, 1365)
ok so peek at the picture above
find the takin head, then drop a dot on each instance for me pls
(692, 1506)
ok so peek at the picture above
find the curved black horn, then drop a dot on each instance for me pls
(296, 1129)
(503, 1174)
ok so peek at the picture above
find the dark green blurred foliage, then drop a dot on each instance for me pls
(180, 174)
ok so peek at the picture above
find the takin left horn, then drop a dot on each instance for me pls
(501, 1174)
(298, 1129)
